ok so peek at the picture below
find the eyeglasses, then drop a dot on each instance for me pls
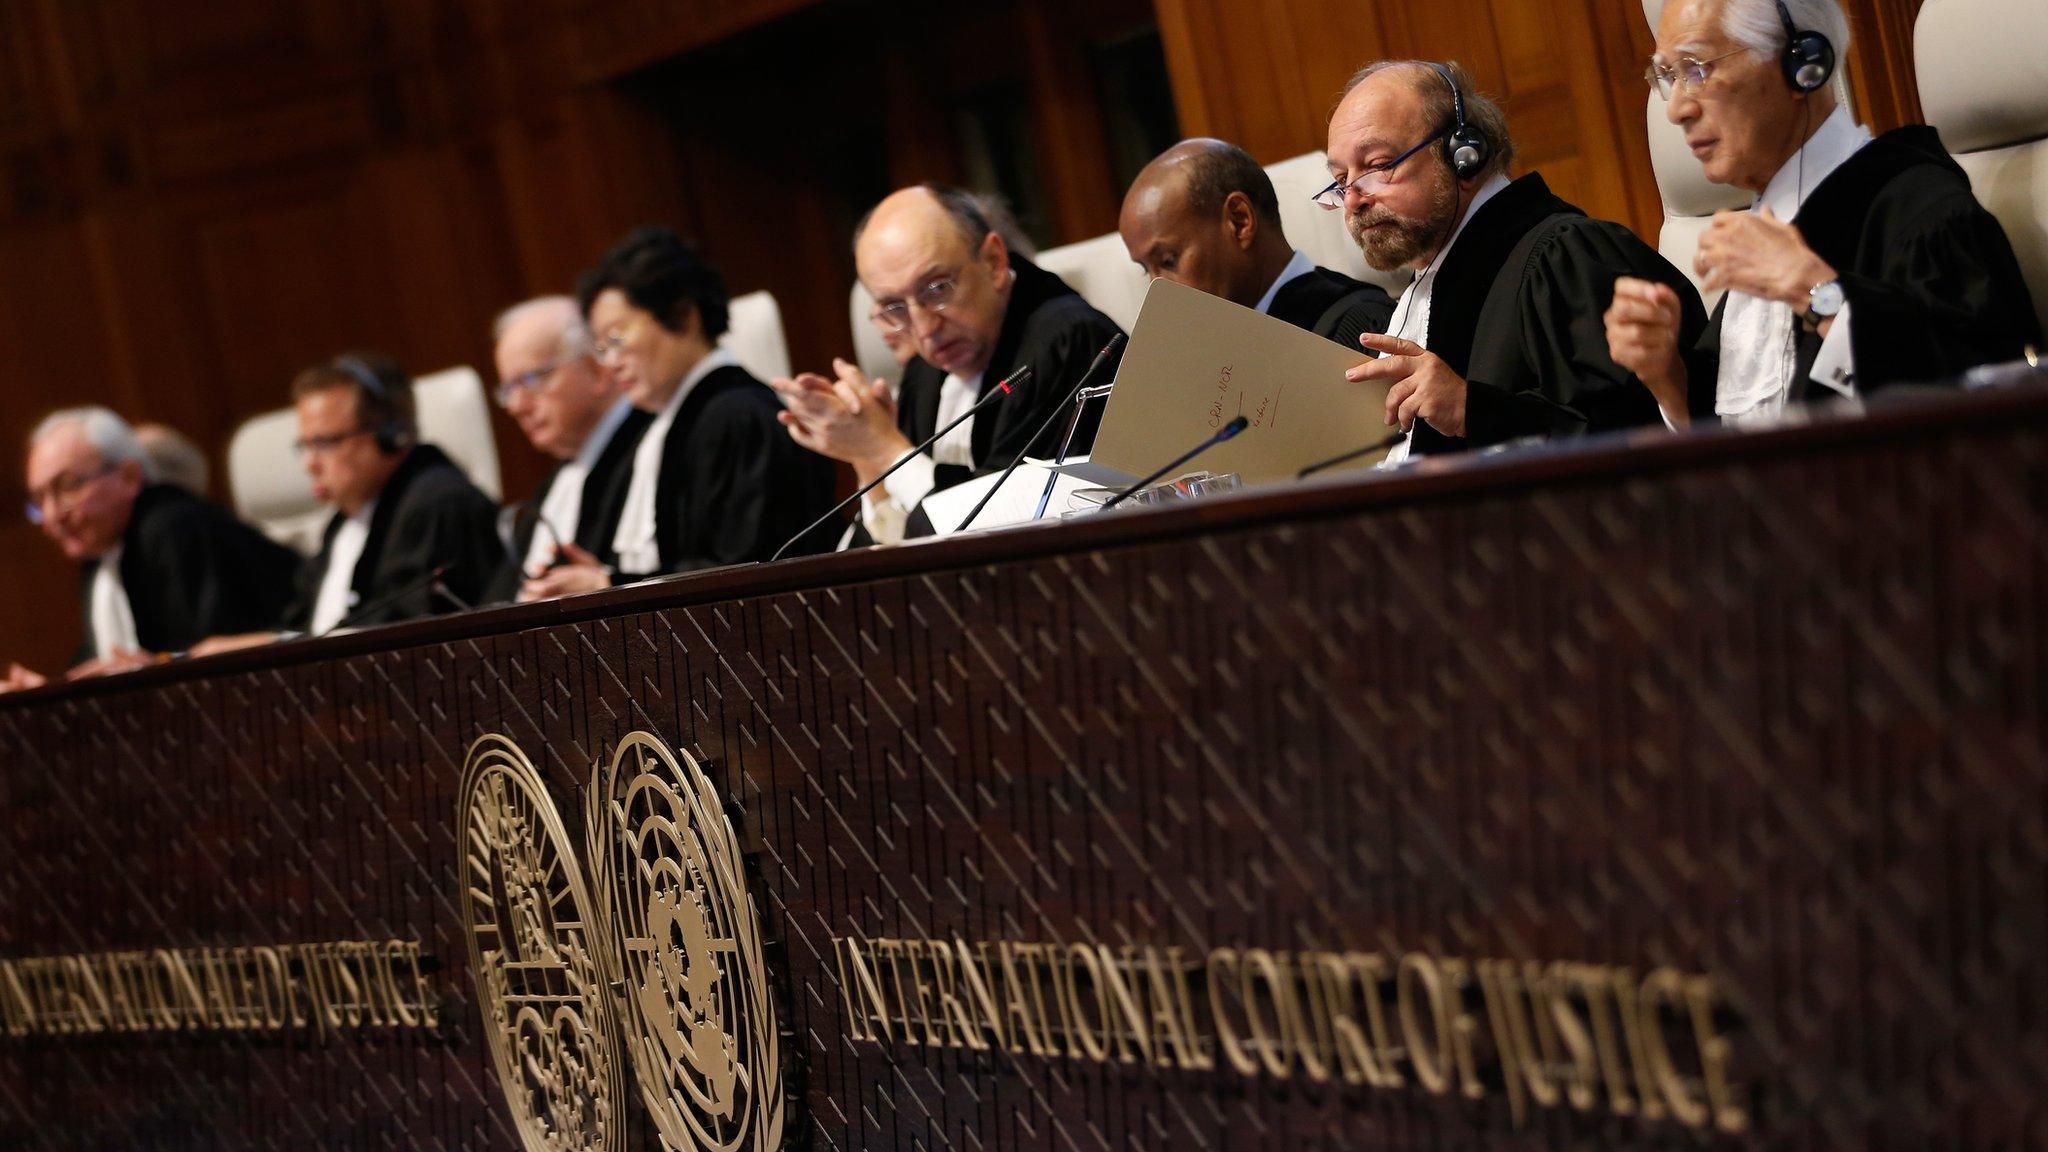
(1686, 76)
(509, 390)
(1374, 178)
(315, 445)
(63, 491)
(894, 315)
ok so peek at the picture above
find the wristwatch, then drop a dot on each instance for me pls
(1823, 300)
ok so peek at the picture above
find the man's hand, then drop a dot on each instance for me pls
(19, 678)
(848, 417)
(1422, 384)
(575, 570)
(1760, 255)
(1642, 336)
(214, 645)
(117, 661)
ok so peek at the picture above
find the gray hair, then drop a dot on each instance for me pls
(1482, 115)
(1757, 26)
(575, 340)
(109, 435)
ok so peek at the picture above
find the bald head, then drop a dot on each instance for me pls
(935, 268)
(1203, 213)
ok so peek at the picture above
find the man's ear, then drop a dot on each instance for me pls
(996, 254)
(1240, 220)
(131, 475)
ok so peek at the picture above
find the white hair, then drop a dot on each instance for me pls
(575, 339)
(1757, 26)
(110, 436)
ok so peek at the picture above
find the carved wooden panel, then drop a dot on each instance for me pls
(1690, 800)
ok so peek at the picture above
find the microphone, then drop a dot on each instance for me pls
(1002, 388)
(1222, 434)
(1345, 458)
(430, 580)
(1101, 358)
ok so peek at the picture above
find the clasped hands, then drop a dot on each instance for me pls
(849, 416)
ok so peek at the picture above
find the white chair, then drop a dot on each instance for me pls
(1318, 232)
(754, 334)
(270, 486)
(1984, 86)
(1102, 271)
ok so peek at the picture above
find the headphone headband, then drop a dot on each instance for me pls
(392, 435)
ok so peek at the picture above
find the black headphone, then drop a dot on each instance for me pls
(1464, 149)
(1809, 58)
(391, 436)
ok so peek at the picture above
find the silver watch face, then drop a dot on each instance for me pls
(1825, 299)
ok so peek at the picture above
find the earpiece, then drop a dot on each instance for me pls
(1809, 59)
(392, 437)
(1465, 149)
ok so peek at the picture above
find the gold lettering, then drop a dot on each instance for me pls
(1125, 1021)
(1270, 1044)
(1627, 1006)
(1017, 1005)
(16, 1010)
(1665, 988)
(1167, 1025)
(1419, 977)
(1592, 981)
(975, 973)
(873, 1009)
(940, 956)
(425, 1002)
(1715, 1052)
(1227, 1036)
(1089, 1032)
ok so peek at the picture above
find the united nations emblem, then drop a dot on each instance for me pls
(686, 944)
(533, 946)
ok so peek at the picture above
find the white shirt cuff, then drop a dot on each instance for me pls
(1834, 366)
(913, 482)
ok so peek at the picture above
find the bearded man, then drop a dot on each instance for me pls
(1499, 337)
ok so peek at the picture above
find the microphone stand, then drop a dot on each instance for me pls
(1347, 457)
(430, 580)
(1002, 388)
(1222, 434)
(1080, 387)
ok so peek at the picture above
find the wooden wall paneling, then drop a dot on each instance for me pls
(1881, 73)
(1080, 189)
(1265, 76)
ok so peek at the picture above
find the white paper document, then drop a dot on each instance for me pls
(1014, 504)
(1196, 361)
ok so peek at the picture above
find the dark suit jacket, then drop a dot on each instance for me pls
(1333, 306)
(428, 515)
(191, 570)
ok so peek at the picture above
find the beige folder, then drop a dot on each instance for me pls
(1197, 361)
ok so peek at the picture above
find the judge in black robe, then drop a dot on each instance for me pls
(1332, 305)
(428, 515)
(597, 517)
(1930, 280)
(191, 570)
(733, 487)
(1048, 327)
(1516, 311)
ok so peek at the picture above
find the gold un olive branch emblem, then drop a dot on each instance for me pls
(678, 941)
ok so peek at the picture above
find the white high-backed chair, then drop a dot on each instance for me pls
(271, 489)
(1318, 232)
(754, 334)
(1984, 84)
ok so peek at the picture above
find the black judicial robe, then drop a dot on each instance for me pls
(1047, 326)
(733, 486)
(1333, 306)
(1518, 311)
(1931, 280)
(428, 515)
(597, 519)
(191, 570)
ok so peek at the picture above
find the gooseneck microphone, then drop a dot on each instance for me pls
(1101, 358)
(1222, 434)
(1346, 457)
(1002, 388)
